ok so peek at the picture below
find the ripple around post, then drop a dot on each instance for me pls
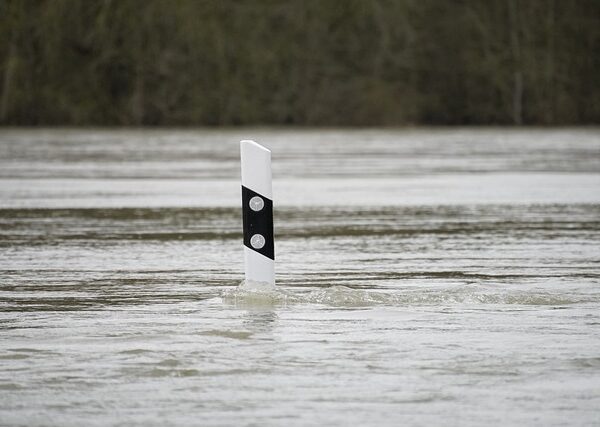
(343, 296)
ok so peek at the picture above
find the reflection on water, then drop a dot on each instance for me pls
(423, 275)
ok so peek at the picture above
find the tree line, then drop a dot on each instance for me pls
(299, 62)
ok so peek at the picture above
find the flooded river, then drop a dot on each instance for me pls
(425, 277)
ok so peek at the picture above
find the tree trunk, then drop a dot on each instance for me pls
(7, 80)
(517, 90)
(518, 98)
(550, 65)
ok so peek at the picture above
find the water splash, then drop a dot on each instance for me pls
(251, 293)
(343, 296)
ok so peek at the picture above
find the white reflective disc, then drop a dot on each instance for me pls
(256, 203)
(257, 241)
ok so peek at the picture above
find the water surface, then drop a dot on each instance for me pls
(424, 276)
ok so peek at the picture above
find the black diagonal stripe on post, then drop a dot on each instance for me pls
(258, 222)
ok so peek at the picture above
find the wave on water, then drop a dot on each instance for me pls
(343, 296)
(257, 294)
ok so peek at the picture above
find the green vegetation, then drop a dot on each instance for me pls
(299, 62)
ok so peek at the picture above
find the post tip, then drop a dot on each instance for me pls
(253, 144)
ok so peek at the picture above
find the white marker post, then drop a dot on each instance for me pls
(257, 209)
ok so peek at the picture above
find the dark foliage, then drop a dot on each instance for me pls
(299, 62)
